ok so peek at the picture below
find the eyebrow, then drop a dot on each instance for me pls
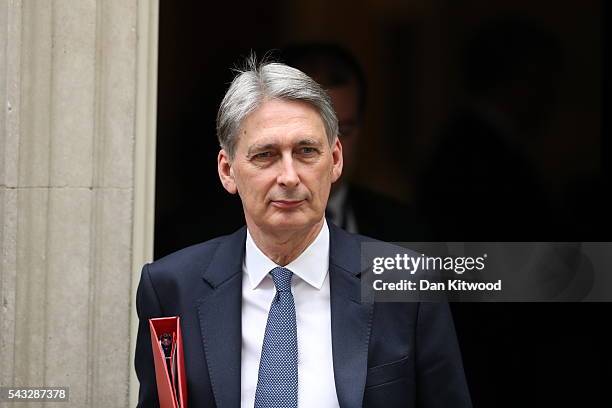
(266, 146)
(259, 147)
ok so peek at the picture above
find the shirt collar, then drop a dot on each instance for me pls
(311, 266)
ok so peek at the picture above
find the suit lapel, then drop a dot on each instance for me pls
(350, 319)
(220, 313)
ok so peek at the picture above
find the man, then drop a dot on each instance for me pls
(351, 207)
(271, 315)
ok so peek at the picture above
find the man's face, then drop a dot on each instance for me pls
(345, 99)
(283, 167)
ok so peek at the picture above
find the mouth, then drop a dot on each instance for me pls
(287, 204)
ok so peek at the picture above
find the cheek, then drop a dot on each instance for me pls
(253, 191)
(248, 191)
(324, 194)
(321, 183)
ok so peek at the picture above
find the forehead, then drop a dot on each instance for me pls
(279, 121)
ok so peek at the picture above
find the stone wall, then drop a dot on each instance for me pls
(71, 192)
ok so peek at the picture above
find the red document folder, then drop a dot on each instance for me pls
(170, 395)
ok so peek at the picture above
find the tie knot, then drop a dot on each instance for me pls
(282, 279)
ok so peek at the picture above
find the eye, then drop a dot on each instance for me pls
(308, 151)
(262, 155)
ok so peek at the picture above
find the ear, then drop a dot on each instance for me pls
(337, 160)
(226, 173)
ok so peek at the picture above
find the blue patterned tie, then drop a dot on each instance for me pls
(277, 382)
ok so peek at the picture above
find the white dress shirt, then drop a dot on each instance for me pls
(310, 288)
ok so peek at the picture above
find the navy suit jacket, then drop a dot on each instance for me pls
(384, 354)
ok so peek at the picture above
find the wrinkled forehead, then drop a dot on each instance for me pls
(280, 122)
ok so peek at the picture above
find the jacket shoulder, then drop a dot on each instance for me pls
(189, 261)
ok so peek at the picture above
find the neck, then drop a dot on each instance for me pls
(285, 246)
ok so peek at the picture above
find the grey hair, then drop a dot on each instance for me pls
(257, 83)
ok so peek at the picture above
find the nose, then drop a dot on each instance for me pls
(288, 176)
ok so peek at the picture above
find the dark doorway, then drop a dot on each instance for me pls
(414, 56)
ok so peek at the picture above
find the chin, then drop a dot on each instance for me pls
(293, 222)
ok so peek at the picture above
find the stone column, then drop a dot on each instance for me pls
(76, 154)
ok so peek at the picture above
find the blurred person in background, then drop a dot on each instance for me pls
(353, 207)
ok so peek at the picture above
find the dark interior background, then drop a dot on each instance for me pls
(412, 53)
